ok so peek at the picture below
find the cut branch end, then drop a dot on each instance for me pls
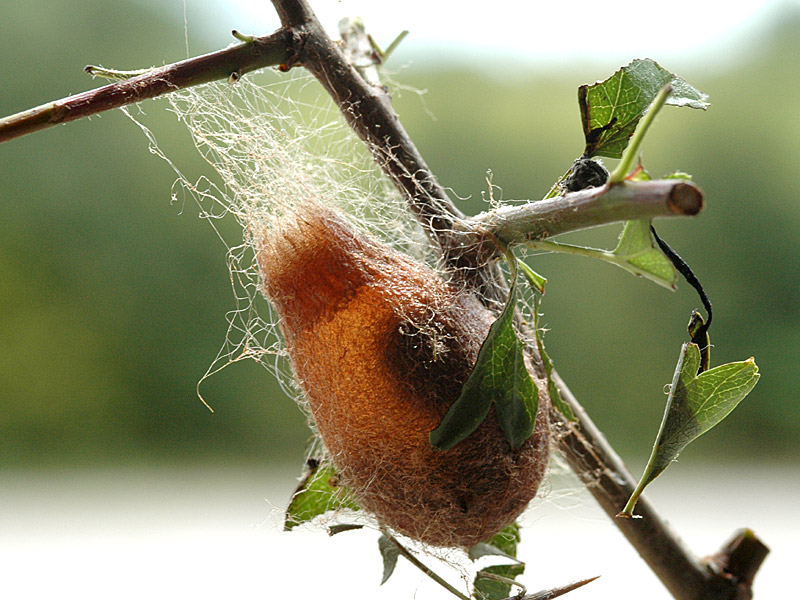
(685, 198)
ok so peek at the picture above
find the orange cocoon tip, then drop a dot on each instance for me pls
(381, 345)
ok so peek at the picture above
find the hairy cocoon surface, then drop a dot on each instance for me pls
(381, 346)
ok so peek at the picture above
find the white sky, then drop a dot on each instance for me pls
(547, 33)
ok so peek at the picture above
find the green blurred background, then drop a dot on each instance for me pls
(113, 299)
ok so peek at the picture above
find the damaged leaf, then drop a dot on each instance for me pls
(611, 109)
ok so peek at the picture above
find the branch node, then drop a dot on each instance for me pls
(298, 40)
(739, 559)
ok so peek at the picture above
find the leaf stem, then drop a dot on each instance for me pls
(621, 261)
(501, 579)
(385, 54)
(631, 154)
(588, 252)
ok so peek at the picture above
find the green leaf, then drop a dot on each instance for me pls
(636, 252)
(494, 583)
(696, 403)
(389, 551)
(611, 109)
(499, 376)
(318, 493)
(503, 543)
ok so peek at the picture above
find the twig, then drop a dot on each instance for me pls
(555, 592)
(517, 224)
(262, 52)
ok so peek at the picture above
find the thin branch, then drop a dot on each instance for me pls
(632, 151)
(368, 110)
(517, 224)
(262, 52)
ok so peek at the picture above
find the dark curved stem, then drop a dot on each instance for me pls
(698, 328)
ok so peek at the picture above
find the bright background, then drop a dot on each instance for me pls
(114, 477)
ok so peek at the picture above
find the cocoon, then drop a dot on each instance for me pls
(381, 345)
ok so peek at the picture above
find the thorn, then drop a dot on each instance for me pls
(242, 37)
(559, 591)
(113, 74)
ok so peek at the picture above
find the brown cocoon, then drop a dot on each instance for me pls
(381, 345)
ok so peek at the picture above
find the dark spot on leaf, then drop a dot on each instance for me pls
(593, 136)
